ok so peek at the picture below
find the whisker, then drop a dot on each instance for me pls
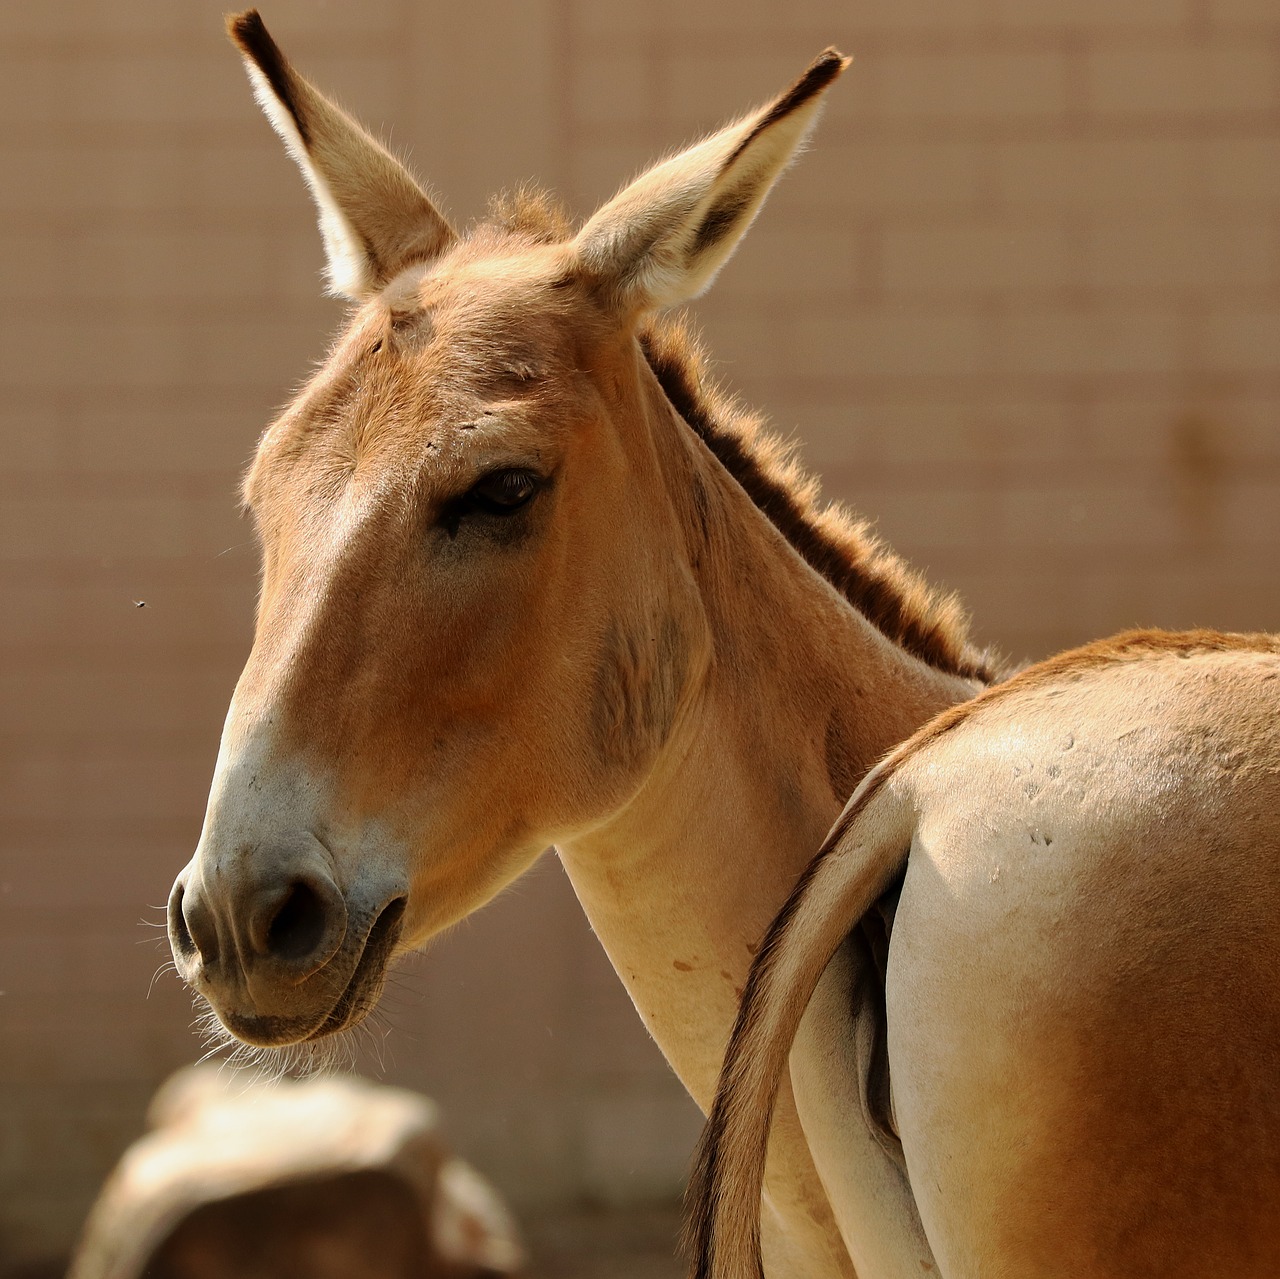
(167, 966)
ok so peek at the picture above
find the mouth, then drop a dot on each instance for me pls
(364, 988)
(357, 1000)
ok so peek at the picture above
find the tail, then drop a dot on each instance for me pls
(855, 865)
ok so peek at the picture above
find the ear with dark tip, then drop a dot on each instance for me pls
(375, 219)
(661, 240)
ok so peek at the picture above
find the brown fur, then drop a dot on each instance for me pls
(700, 1194)
(892, 595)
(637, 685)
(1128, 646)
(840, 757)
(418, 719)
(876, 581)
(530, 213)
(633, 664)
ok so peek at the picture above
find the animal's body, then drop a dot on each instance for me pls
(528, 579)
(1081, 990)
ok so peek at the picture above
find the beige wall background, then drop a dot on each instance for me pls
(1021, 304)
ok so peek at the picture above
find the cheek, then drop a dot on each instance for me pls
(448, 698)
(639, 677)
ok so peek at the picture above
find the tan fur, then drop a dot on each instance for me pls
(670, 661)
(1127, 1117)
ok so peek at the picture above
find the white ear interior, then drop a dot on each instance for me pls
(662, 240)
(347, 266)
(375, 219)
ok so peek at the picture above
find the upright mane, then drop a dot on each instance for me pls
(896, 599)
(875, 580)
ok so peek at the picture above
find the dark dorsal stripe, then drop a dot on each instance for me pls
(873, 579)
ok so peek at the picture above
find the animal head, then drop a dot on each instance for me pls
(477, 627)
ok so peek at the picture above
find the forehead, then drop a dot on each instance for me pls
(479, 348)
(478, 309)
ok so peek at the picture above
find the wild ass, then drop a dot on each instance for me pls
(528, 579)
(1081, 996)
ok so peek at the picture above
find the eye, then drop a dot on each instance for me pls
(500, 494)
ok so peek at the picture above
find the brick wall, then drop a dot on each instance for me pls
(1021, 304)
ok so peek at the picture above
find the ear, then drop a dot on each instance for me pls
(662, 239)
(375, 219)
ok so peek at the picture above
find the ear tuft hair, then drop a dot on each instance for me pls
(821, 72)
(374, 218)
(662, 240)
(250, 35)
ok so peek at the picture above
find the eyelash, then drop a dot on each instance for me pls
(499, 494)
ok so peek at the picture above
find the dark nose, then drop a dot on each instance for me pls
(280, 916)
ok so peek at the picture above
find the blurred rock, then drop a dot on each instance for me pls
(322, 1179)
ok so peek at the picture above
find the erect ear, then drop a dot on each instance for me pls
(374, 217)
(662, 239)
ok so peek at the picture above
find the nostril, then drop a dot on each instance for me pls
(179, 933)
(191, 934)
(299, 925)
(290, 925)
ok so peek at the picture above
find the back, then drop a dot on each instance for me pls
(1083, 992)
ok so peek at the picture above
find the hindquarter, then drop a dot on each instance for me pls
(1084, 983)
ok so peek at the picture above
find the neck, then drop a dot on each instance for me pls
(802, 695)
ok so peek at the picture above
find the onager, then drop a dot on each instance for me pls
(1068, 1032)
(530, 579)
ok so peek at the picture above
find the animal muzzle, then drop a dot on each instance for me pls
(264, 933)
